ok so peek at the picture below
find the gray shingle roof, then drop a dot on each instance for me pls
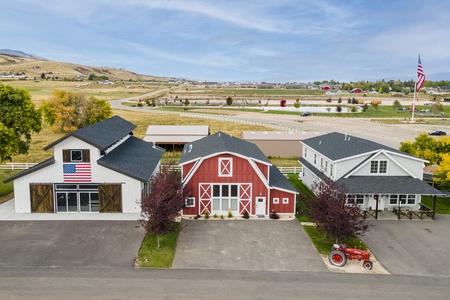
(336, 145)
(387, 185)
(277, 180)
(134, 158)
(220, 142)
(102, 134)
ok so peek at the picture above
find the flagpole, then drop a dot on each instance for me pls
(414, 102)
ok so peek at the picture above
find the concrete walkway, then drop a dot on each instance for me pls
(7, 213)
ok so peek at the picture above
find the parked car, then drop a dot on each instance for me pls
(305, 114)
(437, 132)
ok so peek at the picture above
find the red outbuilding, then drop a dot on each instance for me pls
(226, 174)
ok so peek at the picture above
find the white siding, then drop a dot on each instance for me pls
(345, 166)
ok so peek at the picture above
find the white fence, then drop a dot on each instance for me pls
(17, 166)
(24, 166)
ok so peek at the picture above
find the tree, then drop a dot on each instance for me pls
(297, 103)
(333, 217)
(424, 147)
(19, 118)
(437, 108)
(68, 111)
(283, 103)
(443, 172)
(42, 75)
(396, 105)
(164, 202)
(229, 100)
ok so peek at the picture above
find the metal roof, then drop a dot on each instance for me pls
(276, 135)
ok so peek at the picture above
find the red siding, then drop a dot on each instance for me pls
(280, 207)
(187, 168)
(264, 169)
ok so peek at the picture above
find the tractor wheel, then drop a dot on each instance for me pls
(367, 264)
(337, 258)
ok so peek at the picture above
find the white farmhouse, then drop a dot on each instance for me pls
(375, 177)
(97, 169)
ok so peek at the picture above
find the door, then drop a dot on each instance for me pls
(260, 206)
(41, 197)
(110, 197)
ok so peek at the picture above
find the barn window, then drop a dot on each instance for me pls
(76, 155)
(285, 200)
(189, 202)
(225, 167)
(276, 200)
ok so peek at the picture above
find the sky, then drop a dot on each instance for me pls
(237, 41)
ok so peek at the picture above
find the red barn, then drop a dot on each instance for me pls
(227, 174)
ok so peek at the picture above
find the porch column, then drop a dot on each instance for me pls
(377, 197)
(434, 207)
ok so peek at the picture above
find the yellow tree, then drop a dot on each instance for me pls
(68, 111)
(443, 172)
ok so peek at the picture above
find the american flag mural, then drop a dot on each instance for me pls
(420, 75)
(77, 172)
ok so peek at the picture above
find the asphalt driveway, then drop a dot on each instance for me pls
(69, 243)
(412, 247)
(246, 245)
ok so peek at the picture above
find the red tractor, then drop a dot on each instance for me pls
(340, 253)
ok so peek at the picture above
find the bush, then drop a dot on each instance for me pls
(246, 215)
(273, 215)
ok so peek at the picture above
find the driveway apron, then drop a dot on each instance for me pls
(272, 245)
(412, 247)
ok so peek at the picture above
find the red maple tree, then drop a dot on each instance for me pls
(164, 202)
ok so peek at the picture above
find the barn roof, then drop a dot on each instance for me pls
(102, 134)
(278, 180)
(134, 158)
(39, 166)
(220, 143)
(337, 146)
(175, 133)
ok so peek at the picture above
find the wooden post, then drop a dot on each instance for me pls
(434, 207)
(376, 207)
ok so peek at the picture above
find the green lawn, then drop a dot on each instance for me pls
(150, 256)
(442, 204)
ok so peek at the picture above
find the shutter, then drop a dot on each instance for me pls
(110, 198)
(66, 155)
(86, 155)
(41, 198)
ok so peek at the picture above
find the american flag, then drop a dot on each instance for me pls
(420, 76)
(77, 172)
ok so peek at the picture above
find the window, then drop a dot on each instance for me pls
(393, 199)
(225, 167)
(189, 202)
(77, 197)
(378, 166)
(76, 155)
(276, 200)
(374, 166)
(402, 199)
(285, 200)
(306, 152)
(331, 170)
(412, 199)
(355, 199)
(326, 166)
(315, 158)
(321, 163)
(225, 196)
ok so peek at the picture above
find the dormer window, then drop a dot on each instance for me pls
(378, 166)
(225, 167)
(76, 155)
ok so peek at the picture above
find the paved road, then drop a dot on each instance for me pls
(389, 135)
(123, 283)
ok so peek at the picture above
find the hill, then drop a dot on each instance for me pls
(33, 67)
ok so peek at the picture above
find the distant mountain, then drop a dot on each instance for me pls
(19, 62)
(19, 53)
